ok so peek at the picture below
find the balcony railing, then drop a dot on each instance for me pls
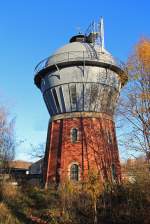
(76, 56)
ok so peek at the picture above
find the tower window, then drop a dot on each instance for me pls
(113, 172)
(109, 138)
(74, 135)
(74, 172)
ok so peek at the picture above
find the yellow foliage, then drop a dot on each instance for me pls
(143, 52)
(145, 96)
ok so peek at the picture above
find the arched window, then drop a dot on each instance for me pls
(113, 172)
(74, 135)
(108, 135)
(74, 172)
(109, 138)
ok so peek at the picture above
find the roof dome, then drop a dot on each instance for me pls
(81, 51)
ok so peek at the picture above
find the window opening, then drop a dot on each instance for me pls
(74, 135)
(113, 172)
(74, 172)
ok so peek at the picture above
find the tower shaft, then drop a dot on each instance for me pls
(93, 149)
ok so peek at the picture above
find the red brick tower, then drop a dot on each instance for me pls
(80, 85)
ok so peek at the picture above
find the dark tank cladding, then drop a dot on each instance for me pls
(80, 84)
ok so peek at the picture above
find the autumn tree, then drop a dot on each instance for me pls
(135, 104)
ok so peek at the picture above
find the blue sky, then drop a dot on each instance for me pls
(31, 30)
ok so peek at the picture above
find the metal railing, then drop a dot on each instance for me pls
(76, 56)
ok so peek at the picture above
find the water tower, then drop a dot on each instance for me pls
(80, 84)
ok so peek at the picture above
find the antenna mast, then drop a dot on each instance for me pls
(95, 33)
(102, 33)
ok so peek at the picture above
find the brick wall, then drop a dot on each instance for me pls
(95, 148)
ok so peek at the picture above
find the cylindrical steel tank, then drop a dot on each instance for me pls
(79, 77)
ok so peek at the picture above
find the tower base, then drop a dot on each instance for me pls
(80, 143)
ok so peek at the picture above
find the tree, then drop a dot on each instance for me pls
(135, 105)
(7, 138)
(94, 188)
(37, 151)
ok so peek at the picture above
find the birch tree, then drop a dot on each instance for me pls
(135, 105)
(7, 138)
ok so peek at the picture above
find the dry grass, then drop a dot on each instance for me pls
(6, 216)
(9, 190)
(123, 204)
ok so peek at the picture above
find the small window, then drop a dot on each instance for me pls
(74, 135)
(113, 172)
(74, 172)
(109, 138)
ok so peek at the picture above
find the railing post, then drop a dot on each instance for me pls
(83, 64)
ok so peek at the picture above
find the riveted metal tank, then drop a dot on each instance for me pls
(80, 77)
